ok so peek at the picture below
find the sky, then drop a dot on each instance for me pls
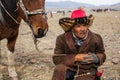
(94, 2)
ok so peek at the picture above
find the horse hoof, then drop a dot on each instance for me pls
(1, 76)
(15, 78)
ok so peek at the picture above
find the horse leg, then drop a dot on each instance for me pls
(0, 49)
(10, 55)
(0, 62)
(11, 67)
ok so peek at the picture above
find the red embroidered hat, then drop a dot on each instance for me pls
(78, 14)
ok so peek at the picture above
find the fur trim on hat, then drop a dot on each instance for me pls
(67, 23)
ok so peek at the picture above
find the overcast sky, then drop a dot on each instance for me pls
(94, 2)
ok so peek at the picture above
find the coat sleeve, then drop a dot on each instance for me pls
(100, 51)
(59, 56)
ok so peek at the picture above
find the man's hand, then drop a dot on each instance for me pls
(80, 57)
(86, 58)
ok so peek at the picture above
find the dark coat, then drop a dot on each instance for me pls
(65, 52)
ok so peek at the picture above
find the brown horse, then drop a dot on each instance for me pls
(11, 13)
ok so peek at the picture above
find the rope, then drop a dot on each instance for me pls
(77, 74)
(35, 43)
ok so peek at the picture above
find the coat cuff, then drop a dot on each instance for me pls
(67, 59)
(101, 58)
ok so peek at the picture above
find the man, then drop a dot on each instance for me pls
(78, 52)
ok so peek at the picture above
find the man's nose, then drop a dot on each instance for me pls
(82, 28)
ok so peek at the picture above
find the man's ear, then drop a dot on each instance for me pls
(91, 18)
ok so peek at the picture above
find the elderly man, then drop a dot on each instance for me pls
(78, 52)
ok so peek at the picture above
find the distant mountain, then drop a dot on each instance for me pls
(115, 6)
(71, 4)
(66, 4)
(112, 7)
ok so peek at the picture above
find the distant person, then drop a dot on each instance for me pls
(51, 14)
(78, 52)
(63, 13)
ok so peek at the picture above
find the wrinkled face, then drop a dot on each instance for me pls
(80, 30)
(38, 22)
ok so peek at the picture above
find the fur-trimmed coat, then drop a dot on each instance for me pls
(65, 52)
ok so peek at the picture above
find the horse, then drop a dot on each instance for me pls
(101, 10)
(11, 14)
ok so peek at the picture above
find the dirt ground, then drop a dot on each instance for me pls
(34, 65)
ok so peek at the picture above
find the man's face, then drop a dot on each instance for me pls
(80, 30)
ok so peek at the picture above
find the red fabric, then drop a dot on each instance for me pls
(78, 14)
(99, 73)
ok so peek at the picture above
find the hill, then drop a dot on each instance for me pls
(71, 4)
(66, 4)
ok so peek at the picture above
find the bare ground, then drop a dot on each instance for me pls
(34, 65)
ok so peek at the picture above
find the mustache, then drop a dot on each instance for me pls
(82, 32)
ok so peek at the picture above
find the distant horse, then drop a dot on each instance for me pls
(101, 10)
(11, 13)
(97, 10)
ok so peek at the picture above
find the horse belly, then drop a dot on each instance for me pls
(5, 32)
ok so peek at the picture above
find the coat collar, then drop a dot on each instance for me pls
(70, 41)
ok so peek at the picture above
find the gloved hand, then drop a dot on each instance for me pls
(87, 58)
